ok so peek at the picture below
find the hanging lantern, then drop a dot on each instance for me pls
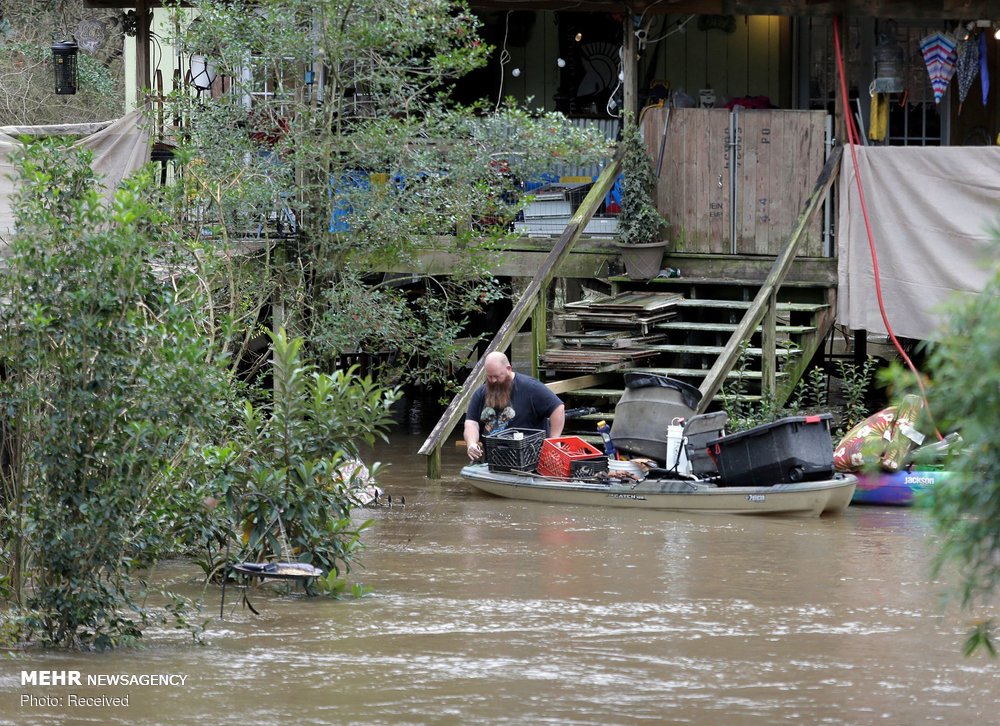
(888, 59)
(64, 60)
(203, 72)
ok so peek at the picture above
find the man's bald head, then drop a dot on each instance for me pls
(499, 380)
(497, 367)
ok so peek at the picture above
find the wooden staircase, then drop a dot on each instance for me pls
(775, 307)
(688, 345)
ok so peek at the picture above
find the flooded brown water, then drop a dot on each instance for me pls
(487, 610)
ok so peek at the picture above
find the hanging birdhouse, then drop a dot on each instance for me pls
(888, 59)
(64, 61)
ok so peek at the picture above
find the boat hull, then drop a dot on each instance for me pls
(814, 498)
(895, 489)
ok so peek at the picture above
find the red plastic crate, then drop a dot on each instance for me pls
(560, 454)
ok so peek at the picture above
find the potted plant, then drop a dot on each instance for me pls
(639, 222)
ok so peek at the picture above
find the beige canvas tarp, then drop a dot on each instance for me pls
(932, 212)
(120, 147)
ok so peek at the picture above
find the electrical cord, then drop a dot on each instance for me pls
(611, 105)
(504, 57)
(852, 141)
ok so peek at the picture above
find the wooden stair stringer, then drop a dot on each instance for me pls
(761, 305)
(810, 344)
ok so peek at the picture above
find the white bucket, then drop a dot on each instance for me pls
(676, 450)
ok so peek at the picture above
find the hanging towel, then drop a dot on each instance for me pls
(878, 125)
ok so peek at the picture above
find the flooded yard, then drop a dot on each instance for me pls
(486, 610)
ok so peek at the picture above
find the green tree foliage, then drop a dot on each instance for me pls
(107, 380)
(127, 436)
(965, 396)
(337, 127)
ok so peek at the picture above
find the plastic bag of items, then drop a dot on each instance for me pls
(883, 439)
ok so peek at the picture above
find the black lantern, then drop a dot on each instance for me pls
(64, 60)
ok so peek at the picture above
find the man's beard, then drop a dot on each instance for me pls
(498, 394)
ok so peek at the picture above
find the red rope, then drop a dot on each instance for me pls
(852, 141)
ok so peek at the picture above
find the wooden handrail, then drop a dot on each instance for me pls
(523, 309)
(764, 300)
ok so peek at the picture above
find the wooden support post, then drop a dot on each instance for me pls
(860, 347)
(539, 329)
(840, 112)
(630, 68)
(434, 464)
(143, 17)
(769, 349)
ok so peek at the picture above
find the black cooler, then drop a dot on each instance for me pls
(793, 449)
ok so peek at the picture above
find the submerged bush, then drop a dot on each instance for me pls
(965, 396)
(106, 377)
(285, 489)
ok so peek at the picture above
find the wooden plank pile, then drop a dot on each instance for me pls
(614, 332)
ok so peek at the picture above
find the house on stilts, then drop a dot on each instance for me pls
(829, 171)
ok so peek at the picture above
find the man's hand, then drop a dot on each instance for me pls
(475, 451)
(472, 443)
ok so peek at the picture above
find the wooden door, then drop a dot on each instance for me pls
(779, 156)
(693, 189)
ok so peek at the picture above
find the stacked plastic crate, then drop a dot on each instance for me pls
(551, 208)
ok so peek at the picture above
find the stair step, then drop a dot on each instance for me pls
(700, 373)
(730, 327)
(717, 350)
(596, 393)
(595, 417)
(721, 282)
(745, 305)
(617, 393)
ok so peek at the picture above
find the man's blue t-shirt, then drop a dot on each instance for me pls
(531, 403)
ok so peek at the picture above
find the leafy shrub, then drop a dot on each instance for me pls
(106, 376)
(965, 396)
(639, 221)
(283, 491)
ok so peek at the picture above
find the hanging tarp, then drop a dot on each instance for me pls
(120, 147)
(938, 50)
(933, 212)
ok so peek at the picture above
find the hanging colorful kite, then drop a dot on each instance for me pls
(938, 50)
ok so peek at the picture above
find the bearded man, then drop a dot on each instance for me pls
(510, 400)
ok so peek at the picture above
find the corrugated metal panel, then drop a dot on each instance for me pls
(609, 127)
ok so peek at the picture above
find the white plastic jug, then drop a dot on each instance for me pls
(676, 459)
